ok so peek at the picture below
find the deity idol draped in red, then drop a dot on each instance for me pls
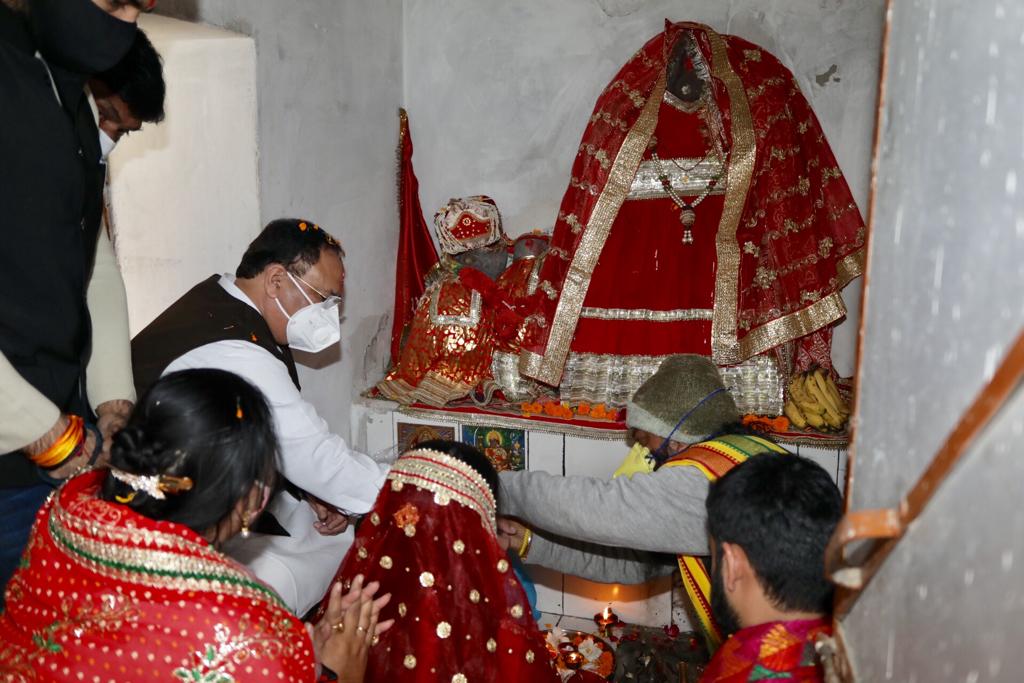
(705, 214)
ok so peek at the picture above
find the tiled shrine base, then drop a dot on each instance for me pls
(375, 429)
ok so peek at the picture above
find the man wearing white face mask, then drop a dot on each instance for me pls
(283, 296)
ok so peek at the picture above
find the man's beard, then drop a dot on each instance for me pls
(724, 614)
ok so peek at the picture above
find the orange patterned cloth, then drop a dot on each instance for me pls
(104, 594)
(775, 239)
(776, 651)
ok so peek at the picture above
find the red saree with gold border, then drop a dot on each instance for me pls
(105, 594)
(774, 242)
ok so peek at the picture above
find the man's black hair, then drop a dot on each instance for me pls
(781, 509)
(293, 243)
(138, 79)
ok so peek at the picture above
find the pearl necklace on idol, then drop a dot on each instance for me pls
(687, 213)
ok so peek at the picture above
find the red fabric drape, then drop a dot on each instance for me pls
(104, 593)
(416, 251)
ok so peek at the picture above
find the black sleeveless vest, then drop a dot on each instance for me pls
(203, 315)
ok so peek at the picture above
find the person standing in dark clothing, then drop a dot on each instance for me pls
(51, 180)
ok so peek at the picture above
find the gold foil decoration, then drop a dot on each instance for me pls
(386, 562)
(402, 609)
(474, 596)
(530, 656)
(516, 611)
(362, 553)
(503, 565)
(409, 662)
(444, 629)
(459, 547)
(426, 579)
(492, 645)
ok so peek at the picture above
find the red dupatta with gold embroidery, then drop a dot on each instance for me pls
(789, 237)
(106, 594)
(460, 613)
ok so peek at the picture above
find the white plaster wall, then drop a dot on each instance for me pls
(329, 74)
(184, 194)
(499, 92)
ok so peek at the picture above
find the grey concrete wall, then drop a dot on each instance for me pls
(943, 303)
(499, 92)
(329, 86)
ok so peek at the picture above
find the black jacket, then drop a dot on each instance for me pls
(51, 185)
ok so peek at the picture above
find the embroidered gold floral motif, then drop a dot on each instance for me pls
(259, 639)
(530, 656)
(474, 596)
(635, 96)
(751, 248)
(459, 678)
(426, 579)
(492, 645)
(444, 629)
(503, 565)
(599, 155)
(612, 121)
(764, 277)
(459, 547)
(516, 611)
(362, 553)
(754, 93)
(386, 562)
(375, 519)
(402, 609)
(572, 221)
(549, 291)
(752, 55)
(409, 662)
(825, 247)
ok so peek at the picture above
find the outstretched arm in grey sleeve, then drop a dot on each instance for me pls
(661, 512)
(598, 562)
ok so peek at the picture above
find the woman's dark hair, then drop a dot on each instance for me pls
(469, 455)
(294, 243)
(138, 79)
(211, 426)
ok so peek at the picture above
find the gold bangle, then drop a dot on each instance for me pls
(524, 547)
(65, 445)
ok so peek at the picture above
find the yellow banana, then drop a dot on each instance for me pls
(794, 415)
(833, 391)
(799, 395)
(816, 421)
(819, 390)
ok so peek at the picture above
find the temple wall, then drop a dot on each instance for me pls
(329, 79)
(499, 92)
(943, 307)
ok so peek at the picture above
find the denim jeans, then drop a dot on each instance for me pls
(18, 508)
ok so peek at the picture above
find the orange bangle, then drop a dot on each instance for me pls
(65, 445)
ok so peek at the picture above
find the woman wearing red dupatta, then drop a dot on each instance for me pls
(705, 214)
(460, 614)
(121, 580)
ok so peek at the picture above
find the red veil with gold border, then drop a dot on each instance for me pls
(789, 237)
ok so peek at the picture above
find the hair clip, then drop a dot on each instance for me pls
(154, 485)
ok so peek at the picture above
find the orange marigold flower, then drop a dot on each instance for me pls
(406, 515)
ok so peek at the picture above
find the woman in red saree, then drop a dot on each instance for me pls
(460, 613)
(122, 580)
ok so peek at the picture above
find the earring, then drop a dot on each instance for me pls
(245, 524)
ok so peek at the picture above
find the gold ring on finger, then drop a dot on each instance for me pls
(361, 629)
(376, 639)
(339, 627)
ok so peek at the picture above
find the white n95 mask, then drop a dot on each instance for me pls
(314, 327)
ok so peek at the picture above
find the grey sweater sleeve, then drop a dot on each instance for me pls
(597, 562)
(661, 512)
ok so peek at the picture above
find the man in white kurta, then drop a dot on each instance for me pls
(244, 324)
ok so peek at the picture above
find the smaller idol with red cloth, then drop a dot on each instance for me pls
(468, 311)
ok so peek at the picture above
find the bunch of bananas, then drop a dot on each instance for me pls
(814, 401)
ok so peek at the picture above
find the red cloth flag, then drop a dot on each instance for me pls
(416, 251)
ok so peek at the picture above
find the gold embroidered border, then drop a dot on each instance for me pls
(724, 348)
(449, 479)
(647, 315)
(577, 278)
(850, 267)
(468, 320)
(781, 330)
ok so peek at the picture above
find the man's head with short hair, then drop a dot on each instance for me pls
(294, 261)
(769, 520)
(132, 92)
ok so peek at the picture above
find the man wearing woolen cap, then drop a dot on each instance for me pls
(650, 517)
